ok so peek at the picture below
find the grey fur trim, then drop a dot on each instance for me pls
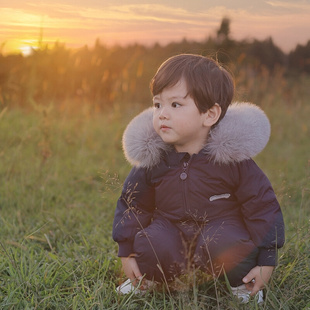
(142, 146)
(241, 134)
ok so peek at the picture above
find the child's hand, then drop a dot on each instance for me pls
(260, 275)
(131, 269)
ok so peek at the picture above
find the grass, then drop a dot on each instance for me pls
(61, 174)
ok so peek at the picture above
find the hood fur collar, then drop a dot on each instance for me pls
(241, 134)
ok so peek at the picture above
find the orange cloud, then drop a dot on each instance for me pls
(78, 24)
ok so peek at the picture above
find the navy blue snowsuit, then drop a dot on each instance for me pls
(190, 211)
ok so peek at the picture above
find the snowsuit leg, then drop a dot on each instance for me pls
(160, 251)
(226, 247)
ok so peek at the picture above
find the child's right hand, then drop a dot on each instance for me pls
(261, 276)
(131, 269)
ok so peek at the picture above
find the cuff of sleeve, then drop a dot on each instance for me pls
(267, 257)
(125, 249)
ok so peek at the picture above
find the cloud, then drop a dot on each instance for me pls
(79, 22)
(298, 6)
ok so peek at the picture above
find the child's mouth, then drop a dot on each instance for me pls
(164, 127)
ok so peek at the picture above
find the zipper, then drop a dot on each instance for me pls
(183, 177)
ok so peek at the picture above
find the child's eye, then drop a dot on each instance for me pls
(175, 105)
(156, 105)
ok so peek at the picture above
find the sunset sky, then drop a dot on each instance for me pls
(80, 22)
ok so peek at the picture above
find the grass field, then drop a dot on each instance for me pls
(61, 174)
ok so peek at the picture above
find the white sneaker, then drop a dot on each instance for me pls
(243, 294)
(127, 287)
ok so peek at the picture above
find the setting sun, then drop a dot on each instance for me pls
(21, 46)
(27, 50)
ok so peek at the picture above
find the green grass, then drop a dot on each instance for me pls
(61, 175)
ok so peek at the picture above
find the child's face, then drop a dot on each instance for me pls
(178, 121)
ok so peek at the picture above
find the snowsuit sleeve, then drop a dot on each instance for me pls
(261, 212)
(134, 210)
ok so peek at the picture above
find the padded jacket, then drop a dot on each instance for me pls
(221, 184)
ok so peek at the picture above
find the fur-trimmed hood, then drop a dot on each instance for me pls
(241, 134)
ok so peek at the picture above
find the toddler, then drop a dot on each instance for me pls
(194, 196)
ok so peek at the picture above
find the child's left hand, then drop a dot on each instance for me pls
(260, 275)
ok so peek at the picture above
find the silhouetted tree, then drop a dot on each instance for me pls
(224, 44)
(224, 30)
(299, 59)
(267, 54)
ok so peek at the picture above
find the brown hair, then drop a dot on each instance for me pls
(207, 82)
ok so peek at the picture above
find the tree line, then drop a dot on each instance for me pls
(102, 76)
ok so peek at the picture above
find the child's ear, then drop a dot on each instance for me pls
(212, 115)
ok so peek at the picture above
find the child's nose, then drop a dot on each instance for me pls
(163, 113)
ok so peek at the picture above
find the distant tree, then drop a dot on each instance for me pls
(299, 59)
(224, 30)
(224, 45)
(267, 54)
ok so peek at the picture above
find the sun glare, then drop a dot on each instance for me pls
(27, 50)
(20, 46)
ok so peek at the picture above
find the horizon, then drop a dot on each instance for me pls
(77, 23)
